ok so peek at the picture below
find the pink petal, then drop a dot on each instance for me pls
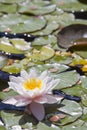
(41, 100)
(17, 101)
(37, 110)
(51, 99)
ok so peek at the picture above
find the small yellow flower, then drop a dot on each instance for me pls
(33, 90)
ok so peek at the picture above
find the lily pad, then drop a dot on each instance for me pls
(43, 54)
(11, 1)
(6, 47)
(68, 35)
(21, 23)
(3, 61)
(16, 67)
(51, 39)
(84, 85)
(31, 25)
(12, 118)
(49, 28)
(20, 44)
(42, 126)
(72, 6)
(73, 111)
(67, 79)
(37, 10)
(84, 99)
(4, 8)
(77, 125)
(2, 128)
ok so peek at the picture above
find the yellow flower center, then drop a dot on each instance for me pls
(32, 83)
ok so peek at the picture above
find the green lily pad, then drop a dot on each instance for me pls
(75, 90)
(60, 58)
(8, 48)
(71, 5)
(53, 68)
(67, 79)
(5, 95)
(77, 125)
(84, 85)
(21, 23)
(37, 10)
(10, 19)
(84, 117)
(83, 54)
(43, 54)
(2, 128)
(42, 126)
(51, 39)
(50, 27)
(12, 118)
(16, 67)
(3, 61)
(20, 44)
(84, 99)
(11, 1)
(4, 8)
(53, 23)
(30, 25)
(73, 111)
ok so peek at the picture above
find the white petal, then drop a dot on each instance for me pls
(51, 99)
(43, 75)
(52, 84)
(41, 100)
(24, 74)
(11, 101)
(32, 74)
(37, 110)
(17, 101)
(16, 87)
(16, 79)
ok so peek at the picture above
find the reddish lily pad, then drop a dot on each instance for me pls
(68, 35)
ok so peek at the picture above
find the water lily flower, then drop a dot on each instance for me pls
(33, 90)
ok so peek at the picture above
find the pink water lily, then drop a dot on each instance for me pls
(33, 90)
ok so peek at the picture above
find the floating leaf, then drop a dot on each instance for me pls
(16, 67)
(3, 61)
(20, 44)
(84, 81)
(50, 66)
(67, 79)
(5, 95)
(84, 99)
(42, 126)
(43, 54)
(72, 109)
(21, 23)
(77, 125)
(12, 118)
(11, 1)
(51, 39)
(30, 25)
(68, 35)
(10, 49)
(2, 128)
(72, 5)
(37, 10)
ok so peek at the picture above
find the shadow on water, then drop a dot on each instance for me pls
(83, 1)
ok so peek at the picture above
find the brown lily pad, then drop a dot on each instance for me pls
(73, 35)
